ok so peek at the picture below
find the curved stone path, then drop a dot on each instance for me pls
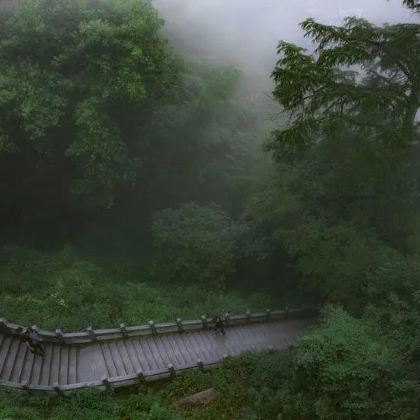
(128, 359)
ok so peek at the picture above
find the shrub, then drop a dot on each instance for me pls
(343, 370)
(194, 243)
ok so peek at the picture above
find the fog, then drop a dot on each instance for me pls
(245, 33)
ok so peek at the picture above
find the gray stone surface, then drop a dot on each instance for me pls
(79, 364)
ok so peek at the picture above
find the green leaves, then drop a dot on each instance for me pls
(364, 76)
(194, 244)
(32, 99)
(101, 152)
(72, 74)
(346, 158)
(413, 4)
(343, 369)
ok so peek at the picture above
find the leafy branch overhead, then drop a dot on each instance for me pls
(359, 77)
(413, 4)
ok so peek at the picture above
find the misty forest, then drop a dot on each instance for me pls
(154, 167)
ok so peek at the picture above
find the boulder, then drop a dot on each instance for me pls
(196, 400)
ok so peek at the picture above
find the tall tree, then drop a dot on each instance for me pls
(361, 77)
(77, 81)
(99, 117)
(344, 203)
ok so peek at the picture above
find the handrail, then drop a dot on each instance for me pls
(94, 335)
(107, 383)
(97, 336)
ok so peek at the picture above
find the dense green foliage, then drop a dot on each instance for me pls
(74, 77)
(343, 206)
(379, 102)
(346, 370)
(141, 175)
(62, 290)
(100, 119)
(194, 242)
(344, 201)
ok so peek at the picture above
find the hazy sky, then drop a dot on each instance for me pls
(245, 33)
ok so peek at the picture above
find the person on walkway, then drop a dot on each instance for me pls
(219, 325)
(32, 340)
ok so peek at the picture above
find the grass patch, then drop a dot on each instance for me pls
(61, 290)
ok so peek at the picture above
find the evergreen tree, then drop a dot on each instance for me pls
(361, 78)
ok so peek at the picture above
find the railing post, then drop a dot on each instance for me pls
(59, 335)
(123, 329)
(204, 321)
(268, 314)
(140, 375)
(200, 364)
(91, 333)
(153, 327)
(35, 328)
(179, 325)
(248, 315)
(57, 388)
(105, 381)
(3, 324)
(171, 369)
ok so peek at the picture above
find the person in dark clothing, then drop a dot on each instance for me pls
(32, 340)
(219, 325)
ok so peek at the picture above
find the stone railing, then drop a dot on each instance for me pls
(107, 383)
(92, 335)
(99, 335)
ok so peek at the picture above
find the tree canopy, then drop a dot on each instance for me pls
(361, 78)
(73, 76)
(99, 113)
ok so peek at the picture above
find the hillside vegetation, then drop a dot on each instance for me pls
(138, 185)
